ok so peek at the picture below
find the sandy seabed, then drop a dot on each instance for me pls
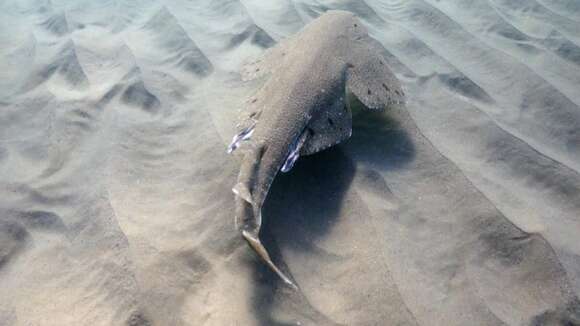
(462, 208)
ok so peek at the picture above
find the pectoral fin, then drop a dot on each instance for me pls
(269, 61)
(370, 80)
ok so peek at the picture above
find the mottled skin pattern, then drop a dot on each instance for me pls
(304, 99)
(278, 129)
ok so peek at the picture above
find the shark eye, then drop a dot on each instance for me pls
(355, 25)
(330, 122)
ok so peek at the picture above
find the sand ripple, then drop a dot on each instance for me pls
(115, 200)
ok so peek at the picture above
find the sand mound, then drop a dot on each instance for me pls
(179, 48)
(60, 69)
(56, 24)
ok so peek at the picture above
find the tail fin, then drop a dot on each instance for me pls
(255, 243)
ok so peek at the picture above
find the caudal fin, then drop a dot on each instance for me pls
(255, 243)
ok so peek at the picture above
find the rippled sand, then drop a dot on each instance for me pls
(463, 208)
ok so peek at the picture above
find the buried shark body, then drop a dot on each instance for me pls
(303, 107)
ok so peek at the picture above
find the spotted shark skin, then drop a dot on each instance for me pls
(302, 108)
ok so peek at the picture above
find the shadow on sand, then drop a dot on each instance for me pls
(304, 204)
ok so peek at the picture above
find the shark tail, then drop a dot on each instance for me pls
(255, 243)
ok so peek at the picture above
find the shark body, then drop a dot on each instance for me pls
(302, 108)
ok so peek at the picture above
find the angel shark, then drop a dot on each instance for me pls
(302, 107)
